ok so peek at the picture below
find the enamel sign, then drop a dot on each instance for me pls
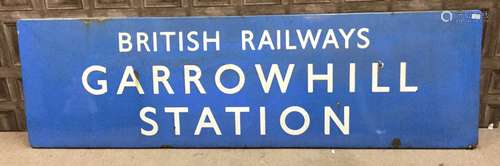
(365, 80)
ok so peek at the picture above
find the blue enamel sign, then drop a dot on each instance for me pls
(366, 80)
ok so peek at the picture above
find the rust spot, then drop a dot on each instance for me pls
(380, 64)
(396, 143)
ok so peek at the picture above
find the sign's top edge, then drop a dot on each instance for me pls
(247, 16)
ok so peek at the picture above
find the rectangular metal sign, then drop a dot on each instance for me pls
(366, 80)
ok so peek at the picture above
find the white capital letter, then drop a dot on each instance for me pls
(102, 83)
(274, 73)
(144, 118)
(247, 37)
(194, 79)
(124, 40)
(214, 40)
(129, 72)
(142, 39)
(193, 41)
(262, 114)
(347, 36)
(241, 79)
(237, 117)
(167, 39)
(211, 124)
(308, 38)
(265, 40)
(311, 77)
(288, 44)
(304, 115)
(352, 77)
(402, 81)
(364, 38)
(375, 87)
(330, 39)
(163, 79)
(329, 114)
(176, 111)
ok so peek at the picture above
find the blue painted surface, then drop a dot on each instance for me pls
(443, 60)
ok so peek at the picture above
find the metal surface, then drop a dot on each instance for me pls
(442, 59)
(12, 116)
